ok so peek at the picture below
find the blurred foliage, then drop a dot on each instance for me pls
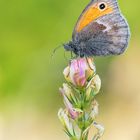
(29, 31)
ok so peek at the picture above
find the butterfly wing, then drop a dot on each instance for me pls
(101, 30)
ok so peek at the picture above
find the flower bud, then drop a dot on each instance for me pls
(94, 110)
(94, 85)
(79, 71)
(63, 117)
(100, 129)
(66, 90)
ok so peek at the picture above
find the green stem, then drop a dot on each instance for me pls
(73, 138)
(81, 136)
(82, 121)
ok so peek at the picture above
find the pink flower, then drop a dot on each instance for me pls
(79, 71)
(73, 112)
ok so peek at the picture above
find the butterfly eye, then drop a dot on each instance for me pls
(102, 6)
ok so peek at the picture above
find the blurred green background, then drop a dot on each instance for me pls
(30, 77)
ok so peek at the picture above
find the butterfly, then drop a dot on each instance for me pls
(101, 30)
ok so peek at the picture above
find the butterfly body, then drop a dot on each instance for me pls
(101, 30)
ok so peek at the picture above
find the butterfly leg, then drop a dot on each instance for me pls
(72, 55)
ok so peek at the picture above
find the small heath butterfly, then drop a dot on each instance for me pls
(101, 30)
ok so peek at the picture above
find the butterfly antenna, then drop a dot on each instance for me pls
(54, 51)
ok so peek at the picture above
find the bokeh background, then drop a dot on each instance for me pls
(30, 77)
